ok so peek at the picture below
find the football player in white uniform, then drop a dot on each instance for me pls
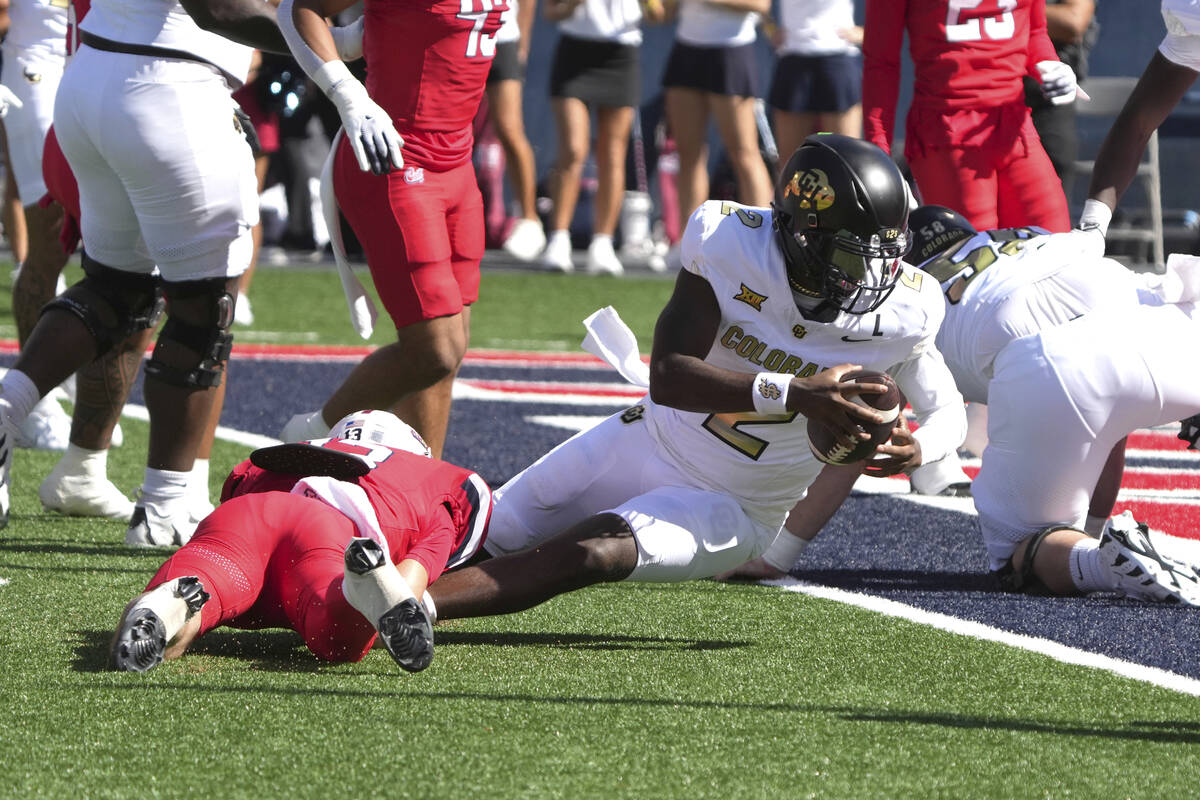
(145, 118)
(770, 309)
(1072, 352)
(35, 52)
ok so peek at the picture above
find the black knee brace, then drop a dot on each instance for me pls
(1025, 580)
(111, 303)
(212, 341)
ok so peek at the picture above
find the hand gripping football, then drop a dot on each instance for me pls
(824, 441)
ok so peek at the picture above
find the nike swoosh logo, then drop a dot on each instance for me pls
(848, 339)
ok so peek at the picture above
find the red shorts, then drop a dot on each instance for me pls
(62, 189)
(987, 164)
(266, 124)
(422, 232)
(275, 560)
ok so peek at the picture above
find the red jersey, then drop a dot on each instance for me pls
(965, 53)
(429, 510)
(427, 61)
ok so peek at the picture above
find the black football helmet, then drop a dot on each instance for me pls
(935, 230)
(841, 214)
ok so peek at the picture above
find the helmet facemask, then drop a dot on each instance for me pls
(847, 273)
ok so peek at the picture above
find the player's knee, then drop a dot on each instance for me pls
(111, 303)
(439, 359)
(608, 549)
(194, 344)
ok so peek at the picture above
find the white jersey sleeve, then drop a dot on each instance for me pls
(1182, 43)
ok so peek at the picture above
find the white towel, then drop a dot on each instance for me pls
(348, 498)
(362, 310)
(610, 339)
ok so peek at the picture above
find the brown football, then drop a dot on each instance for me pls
(823, 440)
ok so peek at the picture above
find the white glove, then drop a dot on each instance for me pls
(369, 128)
(1058, 82)
(348, 39)
(8, 100)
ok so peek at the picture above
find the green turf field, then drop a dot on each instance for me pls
(684, 691)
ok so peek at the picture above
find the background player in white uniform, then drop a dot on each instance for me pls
(35, 53)
(145, 118)
(1071, 352)
(769, 309)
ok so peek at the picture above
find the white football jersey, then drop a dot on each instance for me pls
(165, 23)
(765, 460)
(1181, 45)
(1002, 285)
(37, 25)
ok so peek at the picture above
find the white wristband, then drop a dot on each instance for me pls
(785, 551)
(1096, 214)
(770, 392)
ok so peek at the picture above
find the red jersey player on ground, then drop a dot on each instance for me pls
(335, 556)
(418, 214)
(969, 138)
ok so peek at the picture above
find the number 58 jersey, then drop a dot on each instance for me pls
(765, 460)
(1005, 284)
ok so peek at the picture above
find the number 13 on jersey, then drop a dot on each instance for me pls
(480, 43)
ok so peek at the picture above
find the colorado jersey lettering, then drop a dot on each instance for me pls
(764, 460)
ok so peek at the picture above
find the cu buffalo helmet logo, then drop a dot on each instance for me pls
(812, 187)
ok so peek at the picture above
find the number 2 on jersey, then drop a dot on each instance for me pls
(995, 28)
(729, 428)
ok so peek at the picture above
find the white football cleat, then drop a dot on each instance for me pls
(83, 496)
(305, 426)
(1141, 570)
(602, 259)
(48, 427)
(525, 240)
(149, 528)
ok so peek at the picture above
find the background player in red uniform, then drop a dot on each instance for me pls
(418, 215)
(969, 139)
(334, 560)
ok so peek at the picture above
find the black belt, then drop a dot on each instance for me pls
(108, 45)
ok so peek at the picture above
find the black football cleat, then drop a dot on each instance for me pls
(407, 634)
(140, 643)
(364, 555)
(1189, 431)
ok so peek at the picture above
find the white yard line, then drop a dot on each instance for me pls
(977, 630)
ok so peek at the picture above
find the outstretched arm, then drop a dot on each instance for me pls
(1159, 90)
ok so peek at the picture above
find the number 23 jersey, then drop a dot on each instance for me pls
(765, 459)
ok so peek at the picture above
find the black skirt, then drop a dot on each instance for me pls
(817, 84)
(719, 70)
(600, 73)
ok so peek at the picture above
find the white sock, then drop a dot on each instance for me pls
(1088, 572)
(375, 593)
(169, 606)
(556, 236)
(430, 606)
(83, 463)
(602, 240)
(163, 488)
(198, 479)
(1093, 526)
(20, 394)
